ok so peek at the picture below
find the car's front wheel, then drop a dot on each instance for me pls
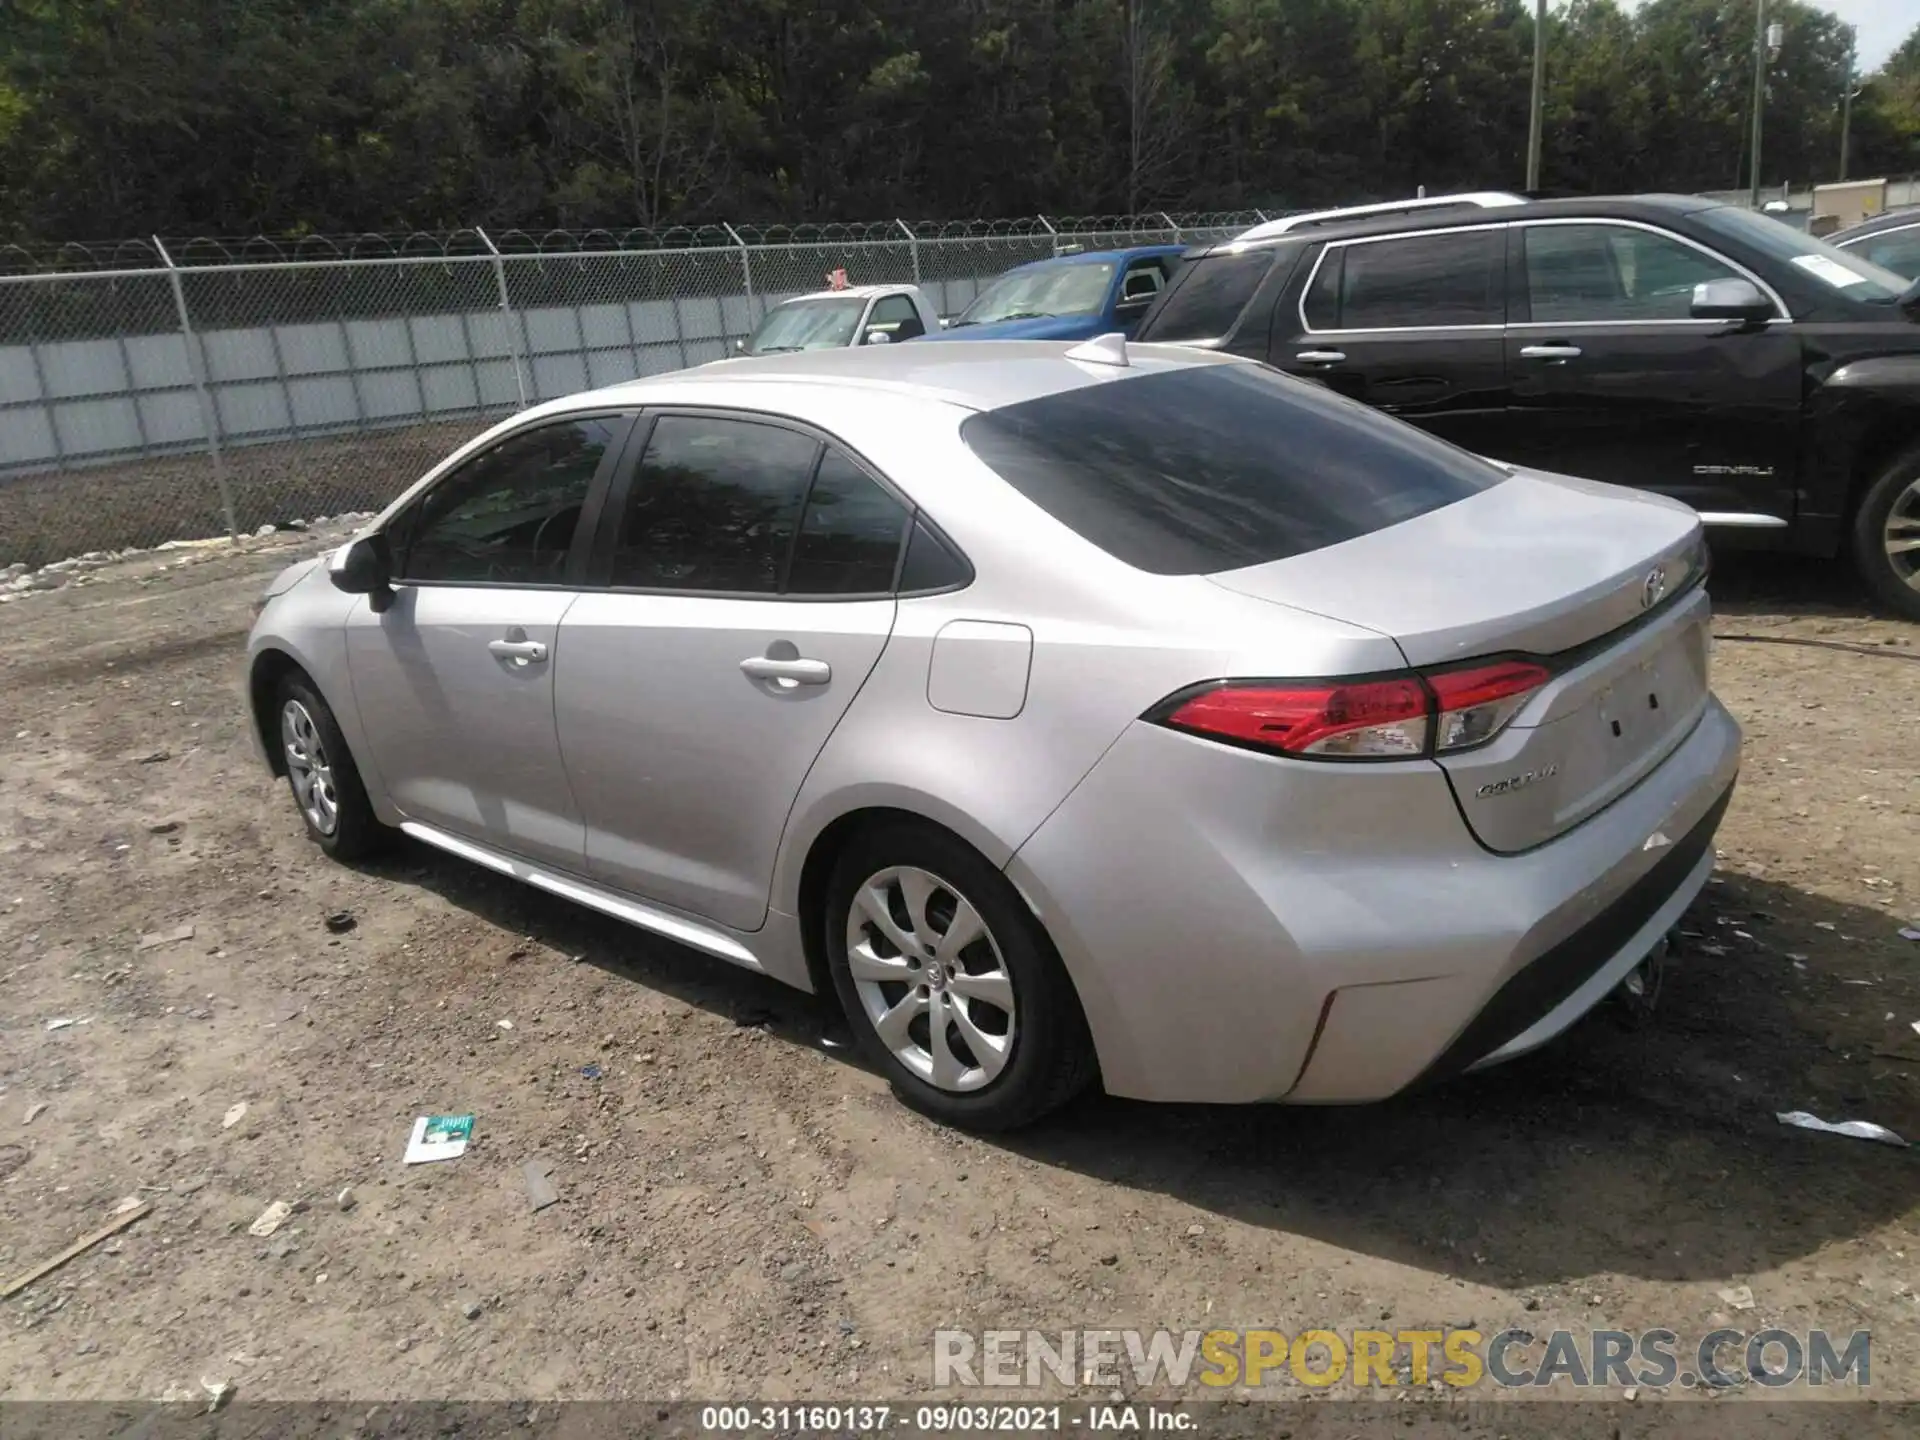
(950, 982)
(320, 771)
(1886, 536)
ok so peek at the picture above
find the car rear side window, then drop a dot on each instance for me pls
(1449, 277)
(1208, 296)
(714, 506)
(850, 538)
(1216, 467)
(507, 516)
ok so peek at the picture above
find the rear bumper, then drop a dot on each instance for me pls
(1243, 929)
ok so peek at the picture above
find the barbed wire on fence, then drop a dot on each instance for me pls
(183, 386)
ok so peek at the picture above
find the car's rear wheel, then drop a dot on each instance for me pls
(321, 774)
(1886, 536)
(950, 982)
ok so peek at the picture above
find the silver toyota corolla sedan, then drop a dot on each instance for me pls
(1119, 711)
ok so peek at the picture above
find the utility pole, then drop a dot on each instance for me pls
(1759, 96)
(1539, 93)
(1846, 103)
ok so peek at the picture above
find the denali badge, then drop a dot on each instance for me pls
(1654, 587)
(1517, 782)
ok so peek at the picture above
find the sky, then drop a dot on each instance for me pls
(1879, 25)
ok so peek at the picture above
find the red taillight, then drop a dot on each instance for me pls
(1476, 703)
(1379, 719)
(1397, 718)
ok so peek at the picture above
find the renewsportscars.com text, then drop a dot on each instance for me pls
(1462, 1358)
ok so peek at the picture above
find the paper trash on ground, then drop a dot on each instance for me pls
(439, 1137)
(1857, 1129)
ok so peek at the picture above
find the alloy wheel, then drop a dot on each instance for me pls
(931, 978)
(309, 768)
(1901, 535)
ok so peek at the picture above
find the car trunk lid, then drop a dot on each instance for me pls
(1599, 582)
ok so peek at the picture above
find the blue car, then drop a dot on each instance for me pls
(1070, 297)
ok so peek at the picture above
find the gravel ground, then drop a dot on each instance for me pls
(743, 1210)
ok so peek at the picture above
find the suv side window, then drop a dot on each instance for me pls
(1207, 295)
(507, 516)
(1612, 272)
(1424, 282)
(896, 318)
(1897, 250)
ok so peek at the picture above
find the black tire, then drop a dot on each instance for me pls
(1051, 1058)
(356, 832)
(1898, 484)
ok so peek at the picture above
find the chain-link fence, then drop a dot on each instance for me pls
(174, 390)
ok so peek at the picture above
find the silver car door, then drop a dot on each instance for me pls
(748, 573)
(454, 679)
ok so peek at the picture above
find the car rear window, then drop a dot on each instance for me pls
(1216, 467)
(1209, 295)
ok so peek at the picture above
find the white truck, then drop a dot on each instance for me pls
(851, 315)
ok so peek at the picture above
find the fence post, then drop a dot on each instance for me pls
(197, 365)
(746, 272)
(1053, 235)
(506, 312)
(1170, 225)
(913, 246)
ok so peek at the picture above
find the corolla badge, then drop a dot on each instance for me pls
(1517, 782)
(1654, 588)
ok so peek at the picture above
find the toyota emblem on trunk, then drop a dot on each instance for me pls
(1654, 587)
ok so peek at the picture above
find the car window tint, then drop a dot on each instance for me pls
(1424, 281)
(1898, 251)
(713, 506)
(1613, 272)
(850, 536)
(1216, 467)
(507, 517)
(896, 318)
(1323, 296)
(1208, 296)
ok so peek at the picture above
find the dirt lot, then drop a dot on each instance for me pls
(744, 1211)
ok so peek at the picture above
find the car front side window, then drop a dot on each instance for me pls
(895, 317)
(507, 516)
(1597, 273)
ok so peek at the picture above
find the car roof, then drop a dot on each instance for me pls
(1599, 207)
(851, 292)
(983, 375)
(1420, 204)
(1090, 257)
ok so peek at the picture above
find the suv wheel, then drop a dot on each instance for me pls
(321, 773)
(950, 982)
(1886, 537)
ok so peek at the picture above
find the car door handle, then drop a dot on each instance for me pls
(522, 650)
(1321, 357)
(799, 672)
(1549, 352)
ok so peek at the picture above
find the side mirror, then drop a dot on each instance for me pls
(740, 347)
(878, 337)
(1734, 299)
(364, 567)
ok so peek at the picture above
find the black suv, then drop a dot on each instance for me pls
(1768, 379)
